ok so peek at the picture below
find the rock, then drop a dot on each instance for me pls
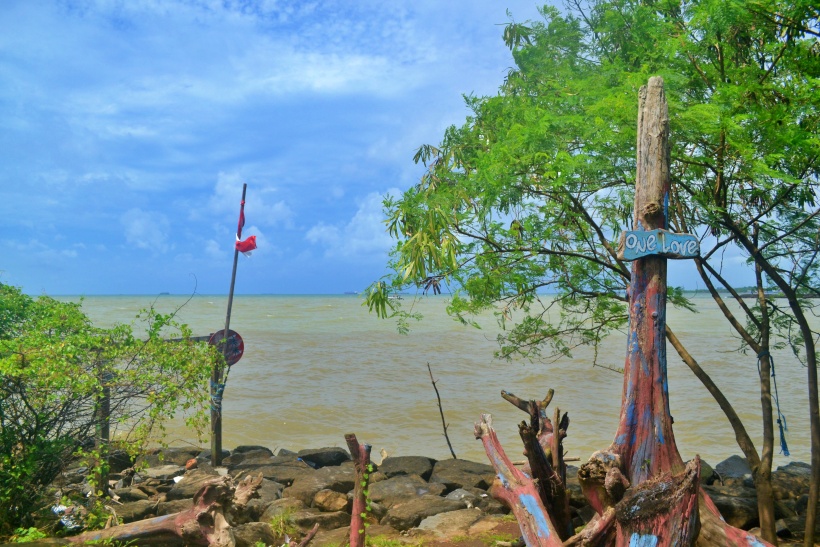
(306, 518)
(460, 473)
(191, 483)
(408, 465)
(174, 506)
(737, 511)
(329, 501)
(281, 469)
(707, 473)
(470, 499)
(324, 457)
(734, 467)
(167, 456)
(119, 461)
(409, 513)
(451, 523)
(280, 507)
(135, 510)
(791, 481)
(129, 494)
(247, 535)
(164, 472)
(248, 455)
(205, 455)
(191, 464)
(402, 487)
(338, 479)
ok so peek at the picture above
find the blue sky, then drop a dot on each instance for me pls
(129, 126)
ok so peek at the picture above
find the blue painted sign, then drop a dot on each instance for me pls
(635, 244)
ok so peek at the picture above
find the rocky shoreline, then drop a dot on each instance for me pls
(413, 499)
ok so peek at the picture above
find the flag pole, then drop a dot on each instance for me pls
(217, 387)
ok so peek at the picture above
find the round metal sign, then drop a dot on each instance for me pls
(235, 349)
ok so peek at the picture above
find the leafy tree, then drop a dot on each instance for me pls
(528, 195)
(55, 367)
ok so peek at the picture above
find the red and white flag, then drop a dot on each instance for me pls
(247, 245)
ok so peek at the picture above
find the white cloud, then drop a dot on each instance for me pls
(227, 196)
(364, 235)
(146, 230)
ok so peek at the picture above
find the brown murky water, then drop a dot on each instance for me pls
(317, 367)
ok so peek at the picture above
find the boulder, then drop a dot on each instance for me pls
(407, 465)
(174, 506)
(324, 457)
(282, 469)
(191, 483)
(461, 473)
(306, 518)
(135, 510)
(119, 461)
(409, 513)
(402, 487)
(739, 511)
(451, 523)
(338, 479)
(125, 495)
(250, 534)
(247, 456)
(329, 501)
(791, 481)
(167, 456)
(280, 507)
(734, 467)
(163, 472)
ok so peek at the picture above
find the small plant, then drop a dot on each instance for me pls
(282, 524)
(27, 535)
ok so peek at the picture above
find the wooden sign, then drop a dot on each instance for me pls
(635, 244)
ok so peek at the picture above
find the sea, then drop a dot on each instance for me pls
(316, 367)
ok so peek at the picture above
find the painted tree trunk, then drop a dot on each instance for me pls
(361, 461)
(643, 493)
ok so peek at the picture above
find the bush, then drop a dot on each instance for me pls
(55, 368)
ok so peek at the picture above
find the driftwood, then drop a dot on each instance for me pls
(544, 450)
(642, 492)
(203, 524)
(361, 461)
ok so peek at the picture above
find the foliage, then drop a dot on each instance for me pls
(520, 206)
(527, 197)
(27, 535)
(55, 368)
(282, 524)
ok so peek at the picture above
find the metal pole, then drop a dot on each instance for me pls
(216, 373)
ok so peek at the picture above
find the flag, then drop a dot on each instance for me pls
(246, 246)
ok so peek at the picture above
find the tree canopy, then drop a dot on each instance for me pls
(530, 194)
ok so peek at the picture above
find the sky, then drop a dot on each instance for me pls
(128, 127)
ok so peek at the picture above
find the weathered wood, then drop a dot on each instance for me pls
(635, 244)
(543, 448)
(202, 524)
(517, 491)
(644, 439)
(361, 461)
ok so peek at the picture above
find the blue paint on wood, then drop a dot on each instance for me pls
(640, 243)
(643, 540)
(531, 505)
(753, 541)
